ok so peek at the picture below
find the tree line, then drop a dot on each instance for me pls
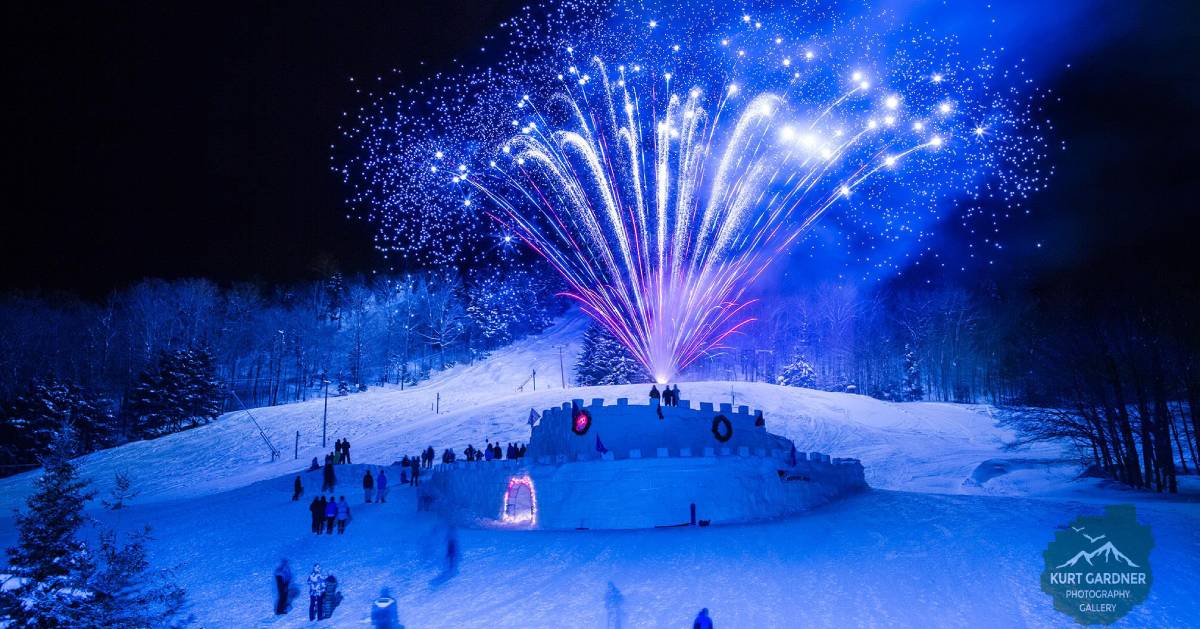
(161, 356)
(1114, 372)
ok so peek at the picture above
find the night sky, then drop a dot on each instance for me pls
(157, 139)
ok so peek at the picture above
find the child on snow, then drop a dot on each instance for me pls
(343, 515)
(368, 486)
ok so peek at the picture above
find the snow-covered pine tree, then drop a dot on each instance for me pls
(124, 591)
(49, 562)
(798, 373)
(603, 360)
(913, 391)
(29, 421)
(59, 582)
(182, 388)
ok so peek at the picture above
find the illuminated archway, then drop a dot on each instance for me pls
(520, 501)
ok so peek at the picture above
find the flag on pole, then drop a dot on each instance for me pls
(533, 417)
(600, 446)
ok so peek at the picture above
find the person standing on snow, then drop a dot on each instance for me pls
(283, 581)
(675, 396)
(655, 396)
(381, 487)
(368, 486)
(331, 510)
(343, 515)
(317, 509)
(415, 480)
(297, 490)
(330, 477)
(383, 611)
(702, 620)
(316, 594)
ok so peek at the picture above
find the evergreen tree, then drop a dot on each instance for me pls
(913, 391)
(60, 583)
(29, 422)
(49, 561)
(124, 591)
(604, 360)
(181, 388)
(798, 373)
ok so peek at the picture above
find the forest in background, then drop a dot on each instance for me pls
(162, 356)
(1117, 377)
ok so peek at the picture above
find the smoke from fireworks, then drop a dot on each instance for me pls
(660, 173)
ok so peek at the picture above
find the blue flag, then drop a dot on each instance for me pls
(600, 446)
(533, 417)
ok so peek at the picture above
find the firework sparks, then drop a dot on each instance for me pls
(662, 173)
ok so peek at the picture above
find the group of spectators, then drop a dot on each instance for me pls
(668, 397)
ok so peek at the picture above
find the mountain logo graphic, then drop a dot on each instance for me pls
(1108, 552)
(1098, 567)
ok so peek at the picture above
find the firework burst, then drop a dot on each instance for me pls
(663, 172)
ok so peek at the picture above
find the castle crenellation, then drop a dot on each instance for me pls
(683, 431)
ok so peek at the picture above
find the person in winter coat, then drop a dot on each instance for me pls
(337, 451)
(331, 511)
(675, 396)
(316, 594)
(404, 462)
(702, 620)
(666, 395)
(346, 450)
(655, 396)
(488, 453)
(381, 487)
(368, 486)
(330, 478)
(343, 515)
(315, 466)
(383, 611)
(415, 479)
(297, 490)
(283, 581)
(317, 509)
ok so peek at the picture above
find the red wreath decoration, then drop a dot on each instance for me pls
(581, 423)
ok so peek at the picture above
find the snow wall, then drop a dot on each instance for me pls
(653, 471)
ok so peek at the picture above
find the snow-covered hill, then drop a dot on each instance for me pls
(949, 498)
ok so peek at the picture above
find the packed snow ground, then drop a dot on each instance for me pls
(951, 536)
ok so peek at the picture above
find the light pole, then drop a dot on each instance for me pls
(325, 413)
(562, 374)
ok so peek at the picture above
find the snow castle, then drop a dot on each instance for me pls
(622, 466)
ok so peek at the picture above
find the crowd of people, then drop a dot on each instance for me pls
(669, 396)
(334, 512)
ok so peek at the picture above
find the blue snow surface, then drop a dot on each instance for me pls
(951, 535)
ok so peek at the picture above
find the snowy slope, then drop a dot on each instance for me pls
(952, 535)
(919, 446)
